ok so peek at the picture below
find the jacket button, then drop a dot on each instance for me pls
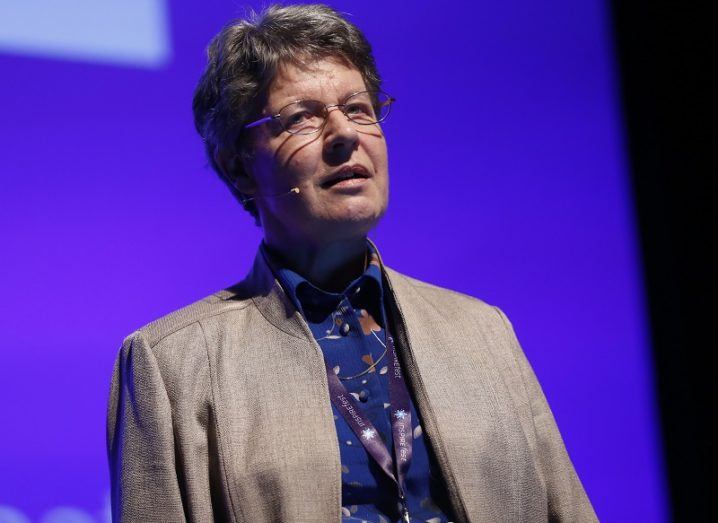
(345, 329)
(364, 395)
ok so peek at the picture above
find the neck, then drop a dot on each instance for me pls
(331, 267)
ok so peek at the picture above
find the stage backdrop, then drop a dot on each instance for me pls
(508, 182)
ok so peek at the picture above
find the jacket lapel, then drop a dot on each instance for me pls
(264, 290)
(467, 411)
(282, 444)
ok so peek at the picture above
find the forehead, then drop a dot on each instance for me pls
(327, 80)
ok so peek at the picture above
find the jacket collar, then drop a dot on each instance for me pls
(262, 287)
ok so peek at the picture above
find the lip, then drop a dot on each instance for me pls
(337, 177)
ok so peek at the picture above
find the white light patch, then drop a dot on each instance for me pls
(127, 32)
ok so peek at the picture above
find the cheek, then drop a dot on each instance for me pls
(271, 174)
(377, 150)
(278, 160)
(298, 164)
(261, 168)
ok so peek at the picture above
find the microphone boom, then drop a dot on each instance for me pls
(293, 190)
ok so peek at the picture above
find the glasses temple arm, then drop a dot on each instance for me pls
(260, 121)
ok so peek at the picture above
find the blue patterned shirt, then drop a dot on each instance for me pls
(349, 328)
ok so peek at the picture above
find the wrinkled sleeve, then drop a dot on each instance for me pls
(140, 441)
(567, 500)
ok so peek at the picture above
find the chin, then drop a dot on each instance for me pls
(348, 225)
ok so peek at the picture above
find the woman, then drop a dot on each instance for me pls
(324, 386)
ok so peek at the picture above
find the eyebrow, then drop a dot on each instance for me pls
(298, 98)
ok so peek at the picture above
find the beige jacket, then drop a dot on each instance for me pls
(220, 411)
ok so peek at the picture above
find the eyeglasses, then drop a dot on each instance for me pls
(309, 116)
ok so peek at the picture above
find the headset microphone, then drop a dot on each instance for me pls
(293, 190)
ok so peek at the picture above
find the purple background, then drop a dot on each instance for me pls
(513, 189)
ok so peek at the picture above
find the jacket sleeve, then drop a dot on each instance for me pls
(567, 500)
(140, 441)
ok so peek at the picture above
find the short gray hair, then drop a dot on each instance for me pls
(243, 60)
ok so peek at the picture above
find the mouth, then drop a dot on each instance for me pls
(347, 175)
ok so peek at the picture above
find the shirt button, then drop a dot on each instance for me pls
(364, 395)
(345, 329)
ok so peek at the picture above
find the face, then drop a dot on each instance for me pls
(325, 209)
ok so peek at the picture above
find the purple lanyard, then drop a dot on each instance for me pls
(366, 432)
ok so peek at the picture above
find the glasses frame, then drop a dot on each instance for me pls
(327, 107)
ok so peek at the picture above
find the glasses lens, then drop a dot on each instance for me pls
(368, 107)
(303, 117)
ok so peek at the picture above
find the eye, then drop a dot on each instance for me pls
(301, 116)
(297, 118)
(359, 111)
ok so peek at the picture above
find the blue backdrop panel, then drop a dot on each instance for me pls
(132, 32)
(508, 182)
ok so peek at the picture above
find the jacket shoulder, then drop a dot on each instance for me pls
(442, 298)
(220, 302)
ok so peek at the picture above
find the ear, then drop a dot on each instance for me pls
(235, 170)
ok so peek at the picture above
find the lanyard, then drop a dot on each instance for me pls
(400, 413)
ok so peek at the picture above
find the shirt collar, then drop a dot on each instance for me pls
(310, 299)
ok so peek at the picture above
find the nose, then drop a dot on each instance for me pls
(340, 134)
